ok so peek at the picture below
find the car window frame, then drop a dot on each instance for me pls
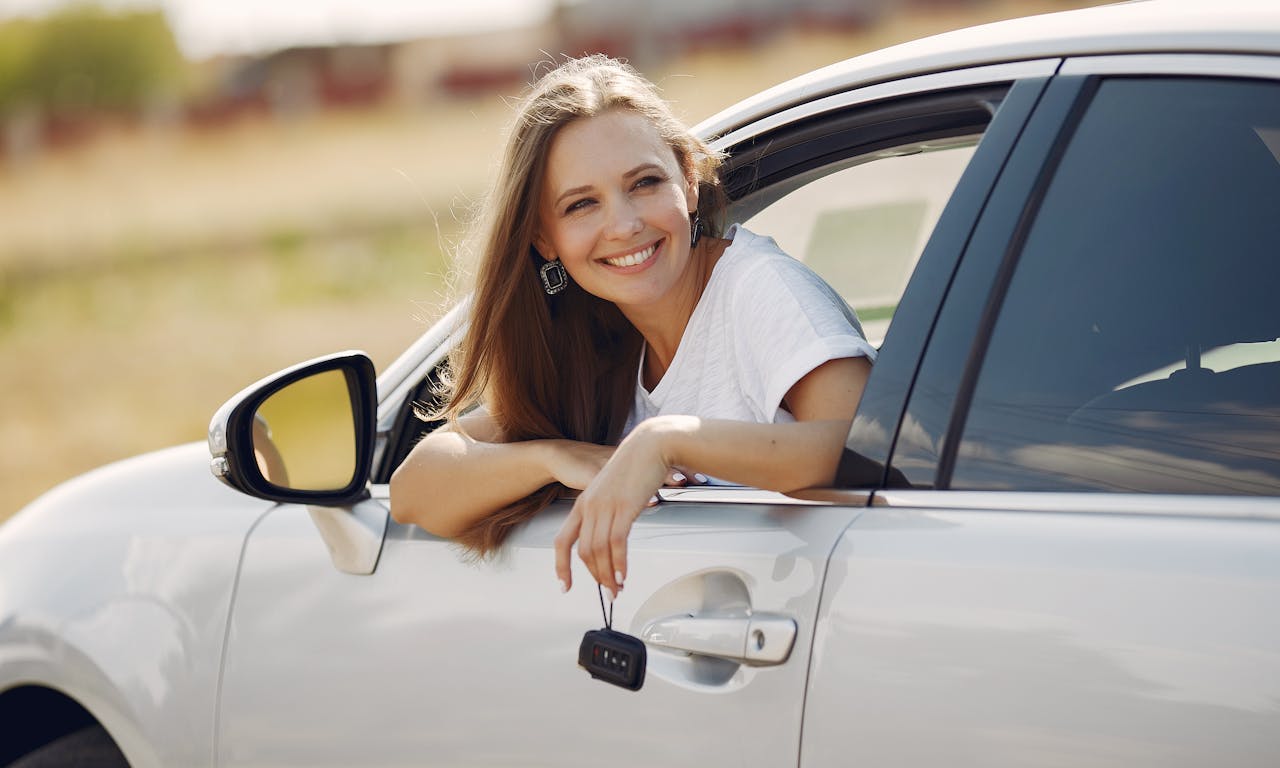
(866, 460)
(937, 397)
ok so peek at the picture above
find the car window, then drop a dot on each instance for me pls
(1136, 348)
(862, 223)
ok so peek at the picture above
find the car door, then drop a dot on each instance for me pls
(1079, 563)
(433, 658)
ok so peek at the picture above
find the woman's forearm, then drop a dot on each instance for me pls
(778, 457)
(450, 480)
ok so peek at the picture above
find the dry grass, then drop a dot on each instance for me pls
(103, 367)
(145, 278)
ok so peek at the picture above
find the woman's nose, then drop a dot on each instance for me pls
(624, 219)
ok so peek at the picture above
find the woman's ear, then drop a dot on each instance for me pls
(543, 248)
(691, 193)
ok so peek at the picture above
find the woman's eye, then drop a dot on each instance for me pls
(578, 205)
(648, 181)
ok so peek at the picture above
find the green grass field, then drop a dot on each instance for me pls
(145, 278)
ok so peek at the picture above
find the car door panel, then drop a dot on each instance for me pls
(1018, 624)
(1055, 631)
(436, 659)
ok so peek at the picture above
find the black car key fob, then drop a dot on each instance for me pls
(613, 657)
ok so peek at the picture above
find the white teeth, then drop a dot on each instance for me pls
(639, 257)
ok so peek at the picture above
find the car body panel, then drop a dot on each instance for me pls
(1027, 628)
(128, 618)
(1055, 634)
(436, 658)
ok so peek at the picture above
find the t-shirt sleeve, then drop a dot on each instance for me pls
(789, 322)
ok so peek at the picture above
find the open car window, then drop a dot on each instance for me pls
(862, 223)
(856, 194)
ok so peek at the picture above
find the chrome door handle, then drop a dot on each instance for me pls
(759, 640)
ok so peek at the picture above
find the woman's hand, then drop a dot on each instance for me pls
(602, 515)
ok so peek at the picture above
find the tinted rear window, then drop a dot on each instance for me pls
(1137, 345)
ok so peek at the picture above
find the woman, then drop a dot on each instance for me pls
(617, 342)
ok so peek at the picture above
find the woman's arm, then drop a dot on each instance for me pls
(776, 457)
(782, 457)
(451, 478)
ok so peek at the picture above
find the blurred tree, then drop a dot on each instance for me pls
(17, 40)
(83, 60)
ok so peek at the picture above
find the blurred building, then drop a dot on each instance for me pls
(293, 82)
(418, 71)
(647, 32)
(467, 65)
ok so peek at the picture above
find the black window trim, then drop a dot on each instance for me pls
(954, 286)
(1084, 87)
(767, 159)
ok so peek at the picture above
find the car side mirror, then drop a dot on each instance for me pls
(304, 435)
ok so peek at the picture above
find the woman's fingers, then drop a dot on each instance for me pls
(676, 478)
(600, 557)
(586, 540)
(594, 536)
(680, 477)
(618, 547)
(564, 545)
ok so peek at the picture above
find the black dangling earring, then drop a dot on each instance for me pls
(695, 231)
(554, 278)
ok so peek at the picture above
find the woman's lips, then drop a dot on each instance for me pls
(634, 261)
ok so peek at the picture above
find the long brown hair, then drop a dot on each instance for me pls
(561, 366)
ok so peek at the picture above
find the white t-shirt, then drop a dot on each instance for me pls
(762, 323)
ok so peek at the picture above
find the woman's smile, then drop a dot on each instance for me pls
(634, 261)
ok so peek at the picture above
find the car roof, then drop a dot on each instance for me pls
(1138, 26)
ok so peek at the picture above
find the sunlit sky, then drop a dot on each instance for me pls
(208, 27)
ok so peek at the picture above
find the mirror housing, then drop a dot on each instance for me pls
(319, 450)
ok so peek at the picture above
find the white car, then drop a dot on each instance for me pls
(1054, 538)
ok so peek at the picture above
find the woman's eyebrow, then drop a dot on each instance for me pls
(639, 169)
(571, 192)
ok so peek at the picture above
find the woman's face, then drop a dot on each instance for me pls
(615, 210)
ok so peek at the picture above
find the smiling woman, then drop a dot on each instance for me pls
(623, 234)
(618, 343)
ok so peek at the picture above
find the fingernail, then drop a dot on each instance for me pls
(653, 500)
(608, 593)
(700, 477)
(564, 586)
(678, 477)
(617, 577)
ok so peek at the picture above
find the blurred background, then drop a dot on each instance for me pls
(196, 193)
